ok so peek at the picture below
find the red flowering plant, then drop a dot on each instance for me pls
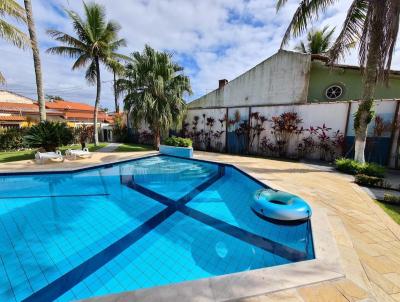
(256, 128)
(285, 127)
(319, 139)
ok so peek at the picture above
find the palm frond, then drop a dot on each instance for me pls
(66, 39)
(91, 73)
(13, 35)
(379, 36)
(12, 9)
(351, 31)
(71, 52)
(2, 79)
(81, 62)
(306, 12)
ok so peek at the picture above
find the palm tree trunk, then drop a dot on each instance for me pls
(115, 94)
(96, 104)
(36, 59)
(157, 138)
(370, 79)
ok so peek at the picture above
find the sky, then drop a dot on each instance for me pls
(211, 39)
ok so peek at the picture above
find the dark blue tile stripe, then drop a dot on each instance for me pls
(243, 235)
(246, 236)
(153, 195)
(54, 196)
(67, 281)
(203, 186)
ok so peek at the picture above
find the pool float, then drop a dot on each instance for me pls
(280, 206)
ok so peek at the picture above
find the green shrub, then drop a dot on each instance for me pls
(390, 198)
(12, 139)
(178, 141)
(49, 135)
(353, 167)
(369, 181)
(347, 165)
(372, 169)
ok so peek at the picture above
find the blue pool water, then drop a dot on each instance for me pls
(143, 223)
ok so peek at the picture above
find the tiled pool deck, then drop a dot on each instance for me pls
(367, 240)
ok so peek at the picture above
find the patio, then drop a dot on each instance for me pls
(368, 241)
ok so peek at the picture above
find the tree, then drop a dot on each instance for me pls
(8, 32)
(154, 86)
(374, 25)
(318, 41)
(96, 42)
(36, 59)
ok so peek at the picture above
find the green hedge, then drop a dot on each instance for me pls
(369, 181)
(353, 167)
(178, 141)
(392, 199)
(12, 139)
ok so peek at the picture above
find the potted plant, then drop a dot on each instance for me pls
(177, 146)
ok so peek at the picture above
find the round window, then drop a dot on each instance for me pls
(334, 92)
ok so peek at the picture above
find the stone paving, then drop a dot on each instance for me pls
(367, 239)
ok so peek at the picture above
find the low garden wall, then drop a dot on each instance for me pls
(314, 130)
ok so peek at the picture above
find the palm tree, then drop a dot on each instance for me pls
(36, 59)
(8, 32)
(154, 87)
(96, 42)
(374, 25)
(318, 41)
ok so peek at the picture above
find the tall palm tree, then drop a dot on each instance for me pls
(318, 41)
(374, 25)
(8, 32)
(154, 87)
(36, 59)
(96, 42)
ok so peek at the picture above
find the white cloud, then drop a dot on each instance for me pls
(212, 39)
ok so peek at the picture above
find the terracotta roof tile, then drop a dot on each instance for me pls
(5, 106)
(12, 118)
(68, 105)
(84, 115)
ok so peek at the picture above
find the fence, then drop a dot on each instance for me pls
(317, 130)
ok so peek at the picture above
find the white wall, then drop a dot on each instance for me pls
(281, 79)
(216, 114)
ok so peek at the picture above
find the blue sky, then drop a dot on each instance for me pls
(212, 39)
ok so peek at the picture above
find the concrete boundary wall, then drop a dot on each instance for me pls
(335, 115)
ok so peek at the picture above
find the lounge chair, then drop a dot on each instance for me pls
(41, 157)
(74, 154)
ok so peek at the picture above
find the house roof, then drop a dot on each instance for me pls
(84, 115)
(68, 105)
(9, 96)
(12, 118)
(8, 106)
(325, 59)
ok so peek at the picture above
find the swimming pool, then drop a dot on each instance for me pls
(133, 225)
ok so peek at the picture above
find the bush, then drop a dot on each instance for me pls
(372, 169)
(353, 167)
(178, 141)
(347, 165)
(49, 135)
(12, 139)
(83, 134)
(390, 198)
(369, 181)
